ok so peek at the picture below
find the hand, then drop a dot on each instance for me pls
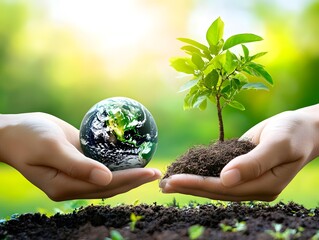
(46, 150)
(285, 143)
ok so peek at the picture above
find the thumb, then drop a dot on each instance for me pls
(73, 163)
(249, 166)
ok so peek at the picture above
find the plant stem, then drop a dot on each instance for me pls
(220, 118)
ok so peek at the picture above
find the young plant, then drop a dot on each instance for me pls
(316, 236)
(134, 219)
(238, 227)
(287, 234)
(115, 235)
(174, 203)
(195, 231)
(217, 74)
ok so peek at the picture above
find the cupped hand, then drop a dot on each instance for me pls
(46, 150)
(285, 143)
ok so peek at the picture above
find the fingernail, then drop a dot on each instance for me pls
(100, 177)
(167, 188)
(162, 183)
(231, 177)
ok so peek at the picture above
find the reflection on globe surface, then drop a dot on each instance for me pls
(120, 133)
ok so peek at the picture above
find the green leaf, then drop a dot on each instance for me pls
(211, 79)
(215, 49)
(198, 99)
(258, 71)
(188, 85)
(203, 105)
(241, 77)
(239, 39)
(235, 83)
(230, 62)
(182, 65)
(115, 235)
(226, 90)
(216, 63)
(258, 55)
(189, 49)
(194, 43)
(212, 98)
(189, 97)
(198, 61)
(255, 86)
(246, 51)
(237, 105)
(195, 231)
(215, 32)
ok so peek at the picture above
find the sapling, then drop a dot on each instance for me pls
(217, 74)
(238, 227)
(195, 231)
(287, 234)
(115, 235)
(134, 219)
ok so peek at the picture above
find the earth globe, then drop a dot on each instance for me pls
(120, 133)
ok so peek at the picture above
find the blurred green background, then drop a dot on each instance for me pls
(61, 57)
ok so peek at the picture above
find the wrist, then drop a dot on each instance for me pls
(6, 121)
(311, 114)
(2, 133)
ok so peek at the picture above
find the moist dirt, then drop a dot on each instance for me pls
(208, 160)
(219, 221)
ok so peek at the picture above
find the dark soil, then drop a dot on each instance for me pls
(257, 221)
(209, 160)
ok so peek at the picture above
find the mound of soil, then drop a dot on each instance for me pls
(209, 160)
(220, 221)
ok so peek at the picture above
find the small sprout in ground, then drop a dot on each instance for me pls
(287, 234)
(115, 235)
(134, 219)
(192, 204)
(312, 212)
(174, 203)
(195, 231)
(58, 210)
(3, 221)
(238, 227)
(316, 236)
(75, 204)
(136, 202)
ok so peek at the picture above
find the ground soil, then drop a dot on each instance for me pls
(209, 160)
(169, 222)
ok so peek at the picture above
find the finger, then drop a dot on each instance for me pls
(253, 134)
(123, 182)
(209, 187)
(265, 188)
(249, 166)
(67, 159)
(59, 186)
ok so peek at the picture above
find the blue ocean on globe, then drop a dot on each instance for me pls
(120, 133)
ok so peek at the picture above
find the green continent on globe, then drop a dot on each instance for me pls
(120, 133)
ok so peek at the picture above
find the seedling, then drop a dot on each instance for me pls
(238, 227)
(287, 234)
(195, 231)
(134, 219)
(174, 203)
(115, 235)
(316, 236)
(217, 74)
